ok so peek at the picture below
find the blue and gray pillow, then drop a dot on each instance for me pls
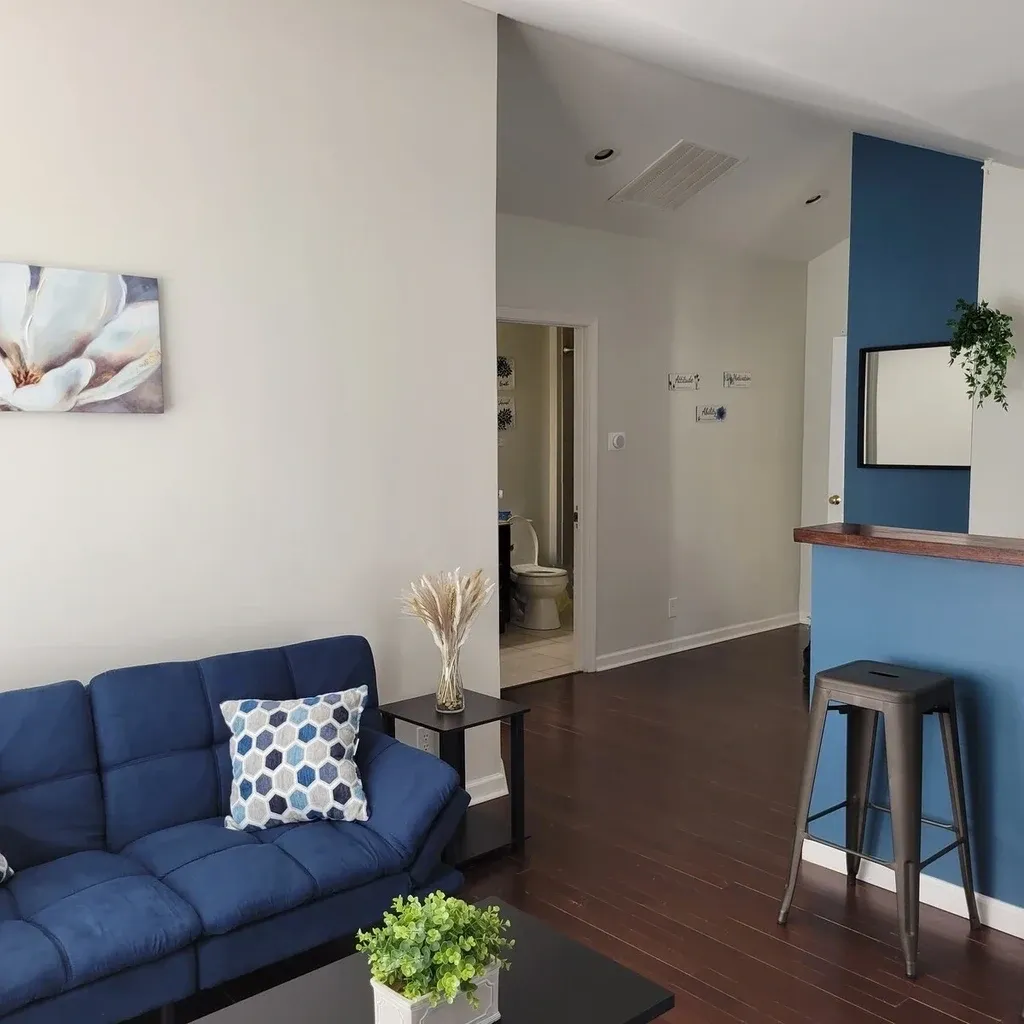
(294, 760)
(5, 870)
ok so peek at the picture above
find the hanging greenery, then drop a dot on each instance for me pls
(982, 340)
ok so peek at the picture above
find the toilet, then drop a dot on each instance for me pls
(538, 587)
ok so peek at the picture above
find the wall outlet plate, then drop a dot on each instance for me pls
(672, 607)
(426, 740)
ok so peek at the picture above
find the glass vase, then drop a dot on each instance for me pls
(451, 698)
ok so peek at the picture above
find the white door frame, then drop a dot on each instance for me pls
(584, 469)
(837, 434)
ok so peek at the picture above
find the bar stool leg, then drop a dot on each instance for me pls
(903, 729)
(954, 772)
(861, 729)
(816, 726)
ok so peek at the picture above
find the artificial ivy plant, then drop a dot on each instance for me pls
(435, 947)
(982, 339)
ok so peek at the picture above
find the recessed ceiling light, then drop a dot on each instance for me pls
(604, 155)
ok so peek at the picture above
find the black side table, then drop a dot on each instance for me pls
(491, 827)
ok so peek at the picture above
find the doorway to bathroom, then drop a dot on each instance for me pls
(538, 510)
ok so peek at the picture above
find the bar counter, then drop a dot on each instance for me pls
(967, 547)
(951, 603)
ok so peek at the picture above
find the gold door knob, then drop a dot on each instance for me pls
(834, 499)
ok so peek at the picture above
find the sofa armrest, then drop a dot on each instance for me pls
(406, 789)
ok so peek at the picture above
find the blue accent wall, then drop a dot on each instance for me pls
(915, 237)
(960, 618)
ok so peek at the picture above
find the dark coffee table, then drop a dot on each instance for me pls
(553, 980)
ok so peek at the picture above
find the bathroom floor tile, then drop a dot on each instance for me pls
(542, 659)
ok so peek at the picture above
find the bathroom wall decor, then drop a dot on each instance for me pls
(78, 341)
(506, 412)
(736, 379)
(506, 373)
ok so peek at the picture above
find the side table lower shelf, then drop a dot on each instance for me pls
(485, 832)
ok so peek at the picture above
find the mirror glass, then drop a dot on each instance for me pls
(914, 408)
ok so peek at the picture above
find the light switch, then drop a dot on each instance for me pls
(616, 441)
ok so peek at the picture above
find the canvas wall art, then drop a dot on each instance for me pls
(78, 341)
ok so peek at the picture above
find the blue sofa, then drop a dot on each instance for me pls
(129, 893)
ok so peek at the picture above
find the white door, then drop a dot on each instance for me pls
(837, 434)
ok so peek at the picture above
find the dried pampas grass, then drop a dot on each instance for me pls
(448, 604)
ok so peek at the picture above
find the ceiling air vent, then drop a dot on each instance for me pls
(675, 177)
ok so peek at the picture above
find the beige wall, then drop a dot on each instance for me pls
(325, 291)
(697, 512)
(736, 485)
(524, 454)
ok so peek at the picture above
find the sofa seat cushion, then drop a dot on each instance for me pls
(338, 855)
(97, 913)
(229, 878)
(236, 878)
(32, 967)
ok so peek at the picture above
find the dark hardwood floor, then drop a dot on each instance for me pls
(660, 802)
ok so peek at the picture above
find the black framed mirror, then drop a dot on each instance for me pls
(914, 410)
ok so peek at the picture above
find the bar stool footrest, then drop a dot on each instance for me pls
(855, 853)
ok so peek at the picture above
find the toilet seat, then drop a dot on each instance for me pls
(538, 571)
(533, 570)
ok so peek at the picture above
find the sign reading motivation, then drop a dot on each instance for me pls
(684, 382)
(710, 413)
(736, 379)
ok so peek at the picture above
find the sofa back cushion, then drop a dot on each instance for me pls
(50, 796)
(163, 743)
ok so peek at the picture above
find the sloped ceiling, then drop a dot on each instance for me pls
(560, 100)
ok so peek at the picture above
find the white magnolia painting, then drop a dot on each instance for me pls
(78, 341)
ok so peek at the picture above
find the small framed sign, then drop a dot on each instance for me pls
(736, 379)
(710, 413)
(684, 382)
(506, 373)
(506, 412)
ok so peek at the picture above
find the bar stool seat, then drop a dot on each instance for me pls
(861, 691)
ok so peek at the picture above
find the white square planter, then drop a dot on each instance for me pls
(391, 1008)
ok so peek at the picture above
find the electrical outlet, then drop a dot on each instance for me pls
(672, 607)
(425, 739)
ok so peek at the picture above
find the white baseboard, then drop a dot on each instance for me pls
(1003, 917)
(487, 787)
(686, 643)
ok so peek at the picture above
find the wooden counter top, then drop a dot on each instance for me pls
(968, 547)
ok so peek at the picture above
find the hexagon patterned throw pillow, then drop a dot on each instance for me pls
(294, 760)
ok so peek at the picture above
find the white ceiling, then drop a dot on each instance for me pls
(559, 100)
(946, 75)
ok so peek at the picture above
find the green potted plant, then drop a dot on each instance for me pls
(436, 961)
(982, 339)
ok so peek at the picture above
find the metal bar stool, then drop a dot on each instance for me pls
(862, 690)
